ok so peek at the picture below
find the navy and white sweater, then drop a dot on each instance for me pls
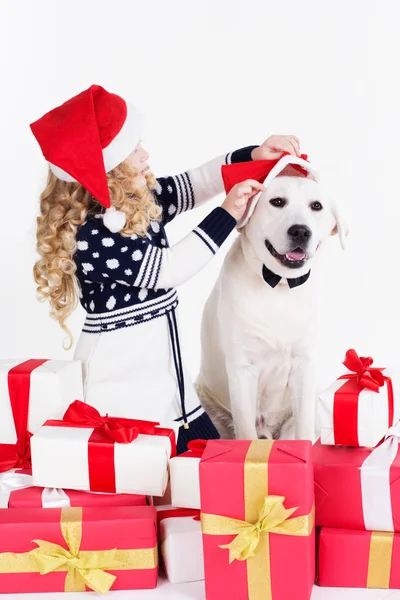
(125, 281)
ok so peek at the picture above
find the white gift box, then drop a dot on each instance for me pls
(359, 407)
(181, 548)
(60, 459)
(371, 420)
(185, 482)
(162, 500)
(53, 386)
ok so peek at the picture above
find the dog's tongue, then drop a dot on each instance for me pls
(296, 255)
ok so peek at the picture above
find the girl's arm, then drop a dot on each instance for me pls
(186, 191)
(194, 187)
(108, 257)
(104, 257)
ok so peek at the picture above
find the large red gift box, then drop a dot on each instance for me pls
(74, 549)
(359, 559)
(257, 512)
(356, 488)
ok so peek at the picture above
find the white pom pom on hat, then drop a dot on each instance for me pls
(114, 219)
(88, 136)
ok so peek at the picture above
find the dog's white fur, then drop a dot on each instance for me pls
(256, 376)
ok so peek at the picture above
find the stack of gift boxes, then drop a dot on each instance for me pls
(355, 470)
(357, 466)
(75, 486)
(78, 493)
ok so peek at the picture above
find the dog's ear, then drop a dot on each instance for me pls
(341, 228)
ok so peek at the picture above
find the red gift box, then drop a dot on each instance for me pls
(17, 491)
(358, 559)
(356, 488)
(257, 505)
(36, 498)
(73, 549)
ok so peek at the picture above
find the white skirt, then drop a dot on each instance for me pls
(130, 372)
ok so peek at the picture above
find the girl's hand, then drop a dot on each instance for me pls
(275, 145)
(236, 201)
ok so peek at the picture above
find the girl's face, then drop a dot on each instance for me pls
(138, 159)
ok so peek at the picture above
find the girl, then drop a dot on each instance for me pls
(101, 236)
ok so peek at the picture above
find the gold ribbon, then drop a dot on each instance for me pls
(264, 514)
(380, 560)
(84, 568)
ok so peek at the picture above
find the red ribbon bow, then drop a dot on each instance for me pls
(120, 430)
(369, 378)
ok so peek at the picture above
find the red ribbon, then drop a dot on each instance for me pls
(178, 512)
(195, 449)
(106, 432)
(18, 455)
(120, 430)
(345, 405)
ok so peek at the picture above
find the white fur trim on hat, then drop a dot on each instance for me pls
(125, 141)
(119, 148)
(278, 168)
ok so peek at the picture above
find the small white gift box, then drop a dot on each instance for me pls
(181, 544)
(185, 482)
(42, 389)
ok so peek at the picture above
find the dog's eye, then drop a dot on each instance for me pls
(278, 202)
(316, 206)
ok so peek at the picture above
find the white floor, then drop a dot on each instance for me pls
(195, 591)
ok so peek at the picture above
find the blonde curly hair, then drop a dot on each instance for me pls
(64, 207)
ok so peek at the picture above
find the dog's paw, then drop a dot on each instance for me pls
(263, 431)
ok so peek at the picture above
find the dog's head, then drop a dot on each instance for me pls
(290, 220)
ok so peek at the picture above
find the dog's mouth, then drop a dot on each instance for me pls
(294, 259)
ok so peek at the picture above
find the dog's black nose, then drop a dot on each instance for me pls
(299, 233)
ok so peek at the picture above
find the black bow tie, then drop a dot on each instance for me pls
(272, 279)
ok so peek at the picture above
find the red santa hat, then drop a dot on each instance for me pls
(264, 171)
(88, 136)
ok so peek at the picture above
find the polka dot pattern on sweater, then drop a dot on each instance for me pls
(108, 264)
(119, 273)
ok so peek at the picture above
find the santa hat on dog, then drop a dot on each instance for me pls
(85, 138)
(264, 171)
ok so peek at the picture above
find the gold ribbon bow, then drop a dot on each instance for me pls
(273, 518)
(84, 567)
(251, 542)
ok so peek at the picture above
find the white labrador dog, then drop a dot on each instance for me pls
(256, 377)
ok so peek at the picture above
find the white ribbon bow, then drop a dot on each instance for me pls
(12, 481)
(375, 483)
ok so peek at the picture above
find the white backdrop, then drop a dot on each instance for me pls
(212, 76)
